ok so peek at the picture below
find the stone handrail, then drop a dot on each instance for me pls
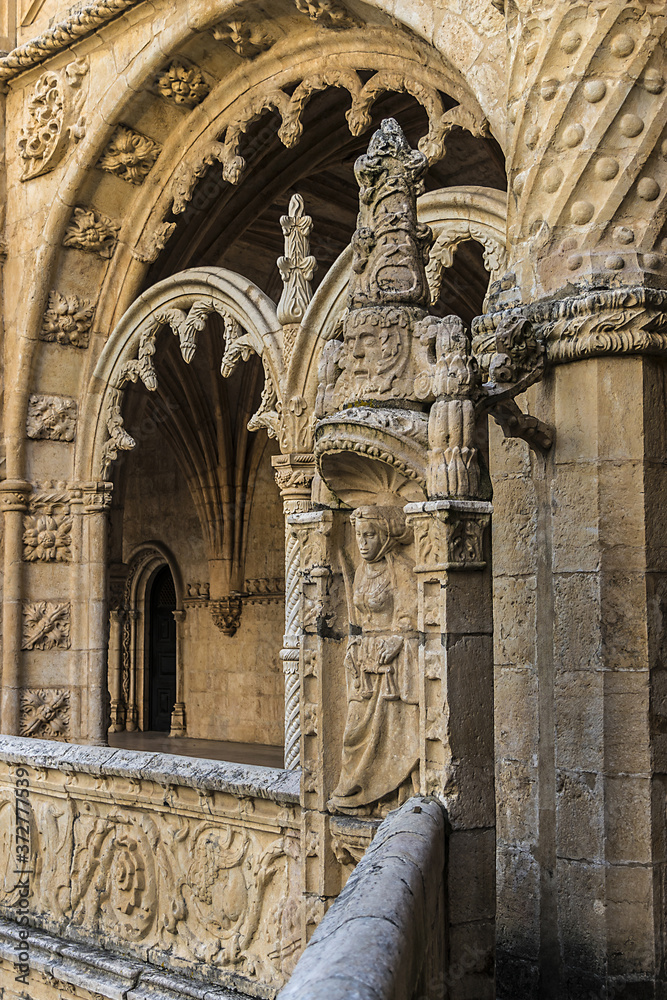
(381, 935)
(159, 859)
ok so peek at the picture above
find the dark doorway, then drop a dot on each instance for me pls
(162, 651)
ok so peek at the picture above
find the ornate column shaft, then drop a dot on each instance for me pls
(116, 618)
(132, 714)
(294, 475)
(96, 504)
(178, 726)
(455, 619)
(14, 499)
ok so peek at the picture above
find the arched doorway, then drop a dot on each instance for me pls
(161, 666)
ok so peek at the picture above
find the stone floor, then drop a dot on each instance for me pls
(235, 753)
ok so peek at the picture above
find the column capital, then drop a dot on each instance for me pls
(294, 474)
(14, 494)
(449, 534)
(95, 496)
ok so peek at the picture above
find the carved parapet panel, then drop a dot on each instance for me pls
(196, 866)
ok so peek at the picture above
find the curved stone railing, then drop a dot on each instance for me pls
(383, 938)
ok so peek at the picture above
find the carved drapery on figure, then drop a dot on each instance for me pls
(381, 739)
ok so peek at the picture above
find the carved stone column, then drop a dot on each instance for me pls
(178, 726)
(455, 619)
(294, 475)
(132, 713)
(322, 609)
(96, 504)
(115, 668)
(14, 500)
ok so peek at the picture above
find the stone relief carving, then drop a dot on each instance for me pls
(152, 245)
(290, 107)
(67, 320)
(54, 119)
(297, 266)
(380, 743)
(182, 83)
(130, 155)
(247, 39)
(45, 713)
(45, 625)
(226, 613)
(47, 537)
(441, 254)
(92, 232)
(328, 13)
(51, 417)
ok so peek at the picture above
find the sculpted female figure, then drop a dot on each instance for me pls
(380, 744)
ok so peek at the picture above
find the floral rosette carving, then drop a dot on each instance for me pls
(182, 84)
(47, 537)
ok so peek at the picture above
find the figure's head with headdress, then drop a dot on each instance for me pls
(379, 530)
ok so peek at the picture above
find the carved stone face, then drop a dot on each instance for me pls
(369, 538)
(373, 356)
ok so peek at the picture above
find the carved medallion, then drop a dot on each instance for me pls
(52, 418)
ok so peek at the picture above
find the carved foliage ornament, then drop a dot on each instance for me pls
(130, 155)
(92, 232)
(51, 417)
(183, 84)
(46, 625)
(54, 119)
(296, 266)
(247, 39)
(67, 320)
(45, 713)
(47, 537)
(328, 13)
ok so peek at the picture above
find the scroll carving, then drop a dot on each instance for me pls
(67, 320)
(54, 119)
(381, 739)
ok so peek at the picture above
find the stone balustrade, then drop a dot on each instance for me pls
(384, 935)
(191, 866)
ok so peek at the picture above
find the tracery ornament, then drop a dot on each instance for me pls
(51, 417)
(67, 320)
(54, 119)
(92, 232)
(328, 13)
(46, 625)
(381, 738)
(182, 83)
(247, 39)
(290, 107)
(45, 713)
(130, 155)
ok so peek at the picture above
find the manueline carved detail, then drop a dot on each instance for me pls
(45, 713)
(130, 155)
(46, 625)
(247, 39)
(54, 119)
(226, 613)
(47, 537)
(297, 266)
(67, 320)
(328, 13)
(92, 232)
(51, 417)
(183, 84)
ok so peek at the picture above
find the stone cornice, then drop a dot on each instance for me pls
(79, 24)
(629, 320)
